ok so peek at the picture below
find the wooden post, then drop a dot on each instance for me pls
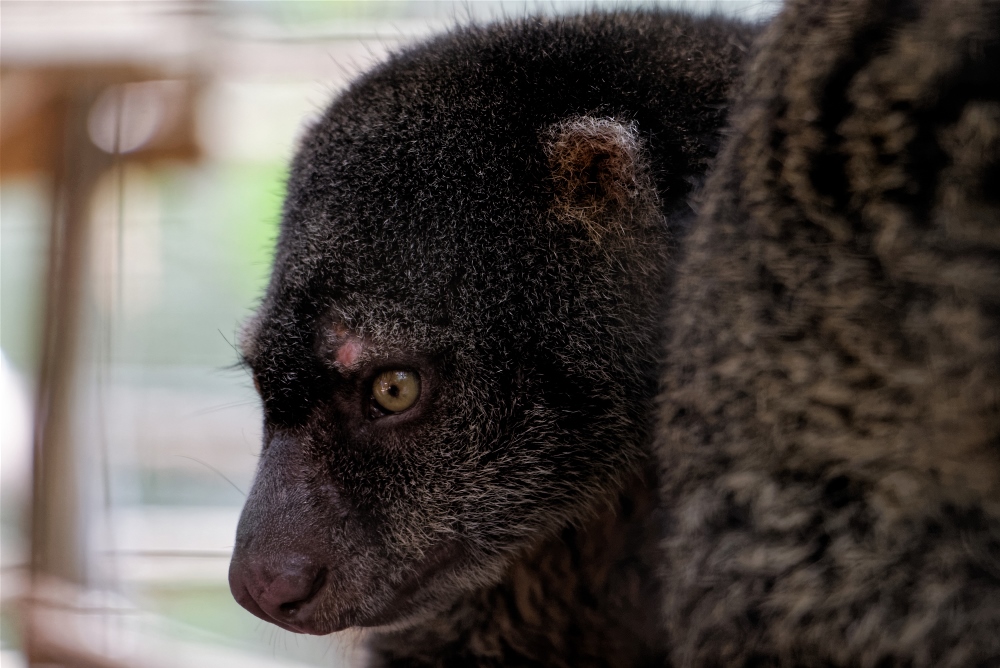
(57, 521)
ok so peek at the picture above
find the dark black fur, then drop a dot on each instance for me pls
(492, 210)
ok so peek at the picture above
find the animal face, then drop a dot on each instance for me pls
(408, 453)
(433, 403)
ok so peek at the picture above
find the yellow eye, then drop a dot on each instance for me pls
(395, 390)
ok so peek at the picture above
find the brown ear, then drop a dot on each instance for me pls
(598, 172)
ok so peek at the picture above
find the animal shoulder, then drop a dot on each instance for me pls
(828, 441)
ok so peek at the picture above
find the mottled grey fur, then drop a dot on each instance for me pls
(830, 445)
(493, 210)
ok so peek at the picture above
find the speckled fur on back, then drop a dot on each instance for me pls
(830, 445)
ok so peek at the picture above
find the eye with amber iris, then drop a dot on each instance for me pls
(394, 391)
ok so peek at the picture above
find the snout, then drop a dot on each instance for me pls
(281, 566)
(286, 593)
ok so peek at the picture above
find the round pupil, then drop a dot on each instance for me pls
(396, 390)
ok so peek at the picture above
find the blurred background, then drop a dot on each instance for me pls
(143, 147)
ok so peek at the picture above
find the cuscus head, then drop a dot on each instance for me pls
(455, 352)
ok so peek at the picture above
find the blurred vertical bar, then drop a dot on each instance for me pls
(67, 143)
(57, 530)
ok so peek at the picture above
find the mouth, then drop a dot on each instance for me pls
(404, 601)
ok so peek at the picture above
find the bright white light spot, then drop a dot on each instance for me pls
(15, 431)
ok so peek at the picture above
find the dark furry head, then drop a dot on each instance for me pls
(450, 217)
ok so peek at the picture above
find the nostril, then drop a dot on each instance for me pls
(286, 595)
(291, 607)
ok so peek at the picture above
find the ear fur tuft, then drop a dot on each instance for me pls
(598, 172)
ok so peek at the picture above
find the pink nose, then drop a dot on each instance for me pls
(287, 596)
